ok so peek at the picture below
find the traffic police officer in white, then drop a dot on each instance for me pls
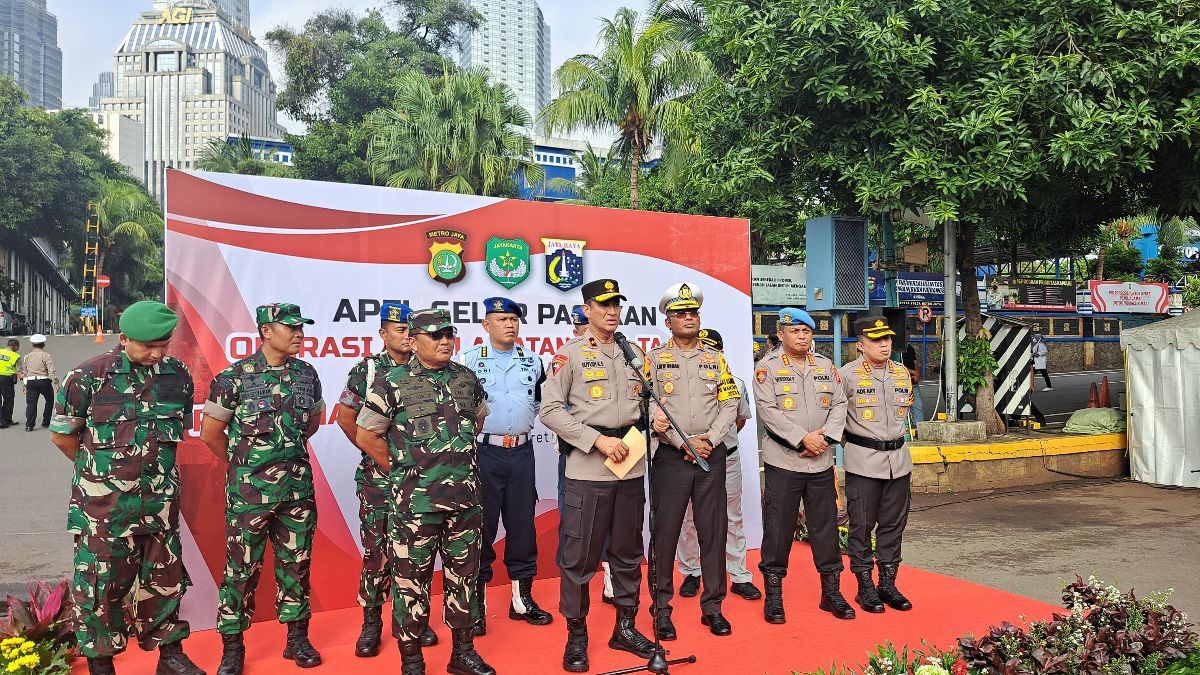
(512, 378)
(803, 408)
(687, 553)
(878, 464)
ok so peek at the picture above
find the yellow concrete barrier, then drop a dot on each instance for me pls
(1015, 448)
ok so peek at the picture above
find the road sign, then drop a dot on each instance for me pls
(925, 314)
(103, 281)
(87, 312)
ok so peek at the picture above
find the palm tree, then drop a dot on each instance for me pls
(639, 84)
(454, 133)
(593, 171)
(128, 215)
(1118, 232)
(224, 157)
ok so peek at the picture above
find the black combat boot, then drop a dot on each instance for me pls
(372, 632)
(411, 660)
(464, 660)
(832, 600)
(867, 597)
(428, 637)
(773, 606)
(523, 607)
(887, 587)
(575, 658)
(479, 628)
(101, 665)
(626, 636)
(233, 655)
(172, 661)
(298, 648)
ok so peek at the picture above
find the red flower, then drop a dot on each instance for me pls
(960, 668)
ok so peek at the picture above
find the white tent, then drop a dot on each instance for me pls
(1162, 380)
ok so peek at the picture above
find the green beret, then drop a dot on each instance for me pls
(148, 321)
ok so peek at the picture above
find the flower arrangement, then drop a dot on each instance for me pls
(26, 657)
(1106, 632)
(35, 634)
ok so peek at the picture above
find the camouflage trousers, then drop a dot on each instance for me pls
(290, 527)
(375, 582)
(128, 582)
(417, 538)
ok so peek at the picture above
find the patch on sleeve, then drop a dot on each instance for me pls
(557, 364)
(760, 375)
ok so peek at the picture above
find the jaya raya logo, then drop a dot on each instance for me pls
(507, 261)
(445, 261)
(564, 263)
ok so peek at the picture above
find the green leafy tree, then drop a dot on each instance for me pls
(977, 113)
(457, 133)
(1167, 268)
(342, 65)
(593, 171)
(639, 84)
(130, 224)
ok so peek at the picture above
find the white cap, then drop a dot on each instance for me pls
(37, 339)
(681, 296)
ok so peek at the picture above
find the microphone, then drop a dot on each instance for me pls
(627, 350)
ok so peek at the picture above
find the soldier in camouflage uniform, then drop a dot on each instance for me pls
(119, 417)
(421, 420)
(270, 403)
(375, 582)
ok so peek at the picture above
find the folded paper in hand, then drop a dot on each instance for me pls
(637, 449)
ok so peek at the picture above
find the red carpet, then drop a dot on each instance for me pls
(945, 608)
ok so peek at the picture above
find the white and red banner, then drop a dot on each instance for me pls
(1127, 297)
(235, 242)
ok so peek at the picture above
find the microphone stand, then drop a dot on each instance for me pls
(658, 662)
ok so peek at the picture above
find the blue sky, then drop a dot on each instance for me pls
(89, 30)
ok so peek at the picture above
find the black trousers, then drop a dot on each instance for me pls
(8, 395)
(1045, 375)
(676, 482)
(877, 505)
(781, 505)
(510, 492)
(33, 390)
(592, 512)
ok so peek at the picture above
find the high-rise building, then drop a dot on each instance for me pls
(29, 51)
(238, 10)
(188, 80)
(126, 142)
(103, 88)
(513, 44)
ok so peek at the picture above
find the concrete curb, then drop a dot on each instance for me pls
(1015, 449)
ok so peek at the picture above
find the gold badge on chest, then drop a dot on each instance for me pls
(597, 391)
(789, 403)
(868, 414)
(669, 387)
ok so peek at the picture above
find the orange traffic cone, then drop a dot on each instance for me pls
(1104, 402)
(100, 334)
(1093, 397)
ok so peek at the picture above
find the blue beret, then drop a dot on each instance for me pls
(395, 312)
(502, 306)
(577, 316)
(791, 316)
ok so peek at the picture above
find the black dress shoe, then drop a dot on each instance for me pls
(746, 589)
(690, 586)
(717, 624)
(664, 627)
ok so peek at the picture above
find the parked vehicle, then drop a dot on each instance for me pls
(20, 324)
(6, 321)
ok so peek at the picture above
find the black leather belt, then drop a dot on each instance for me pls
(781, 440)
(875, 444)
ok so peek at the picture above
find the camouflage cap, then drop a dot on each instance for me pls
(148, 321)
(429, 320)
(281, 312)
